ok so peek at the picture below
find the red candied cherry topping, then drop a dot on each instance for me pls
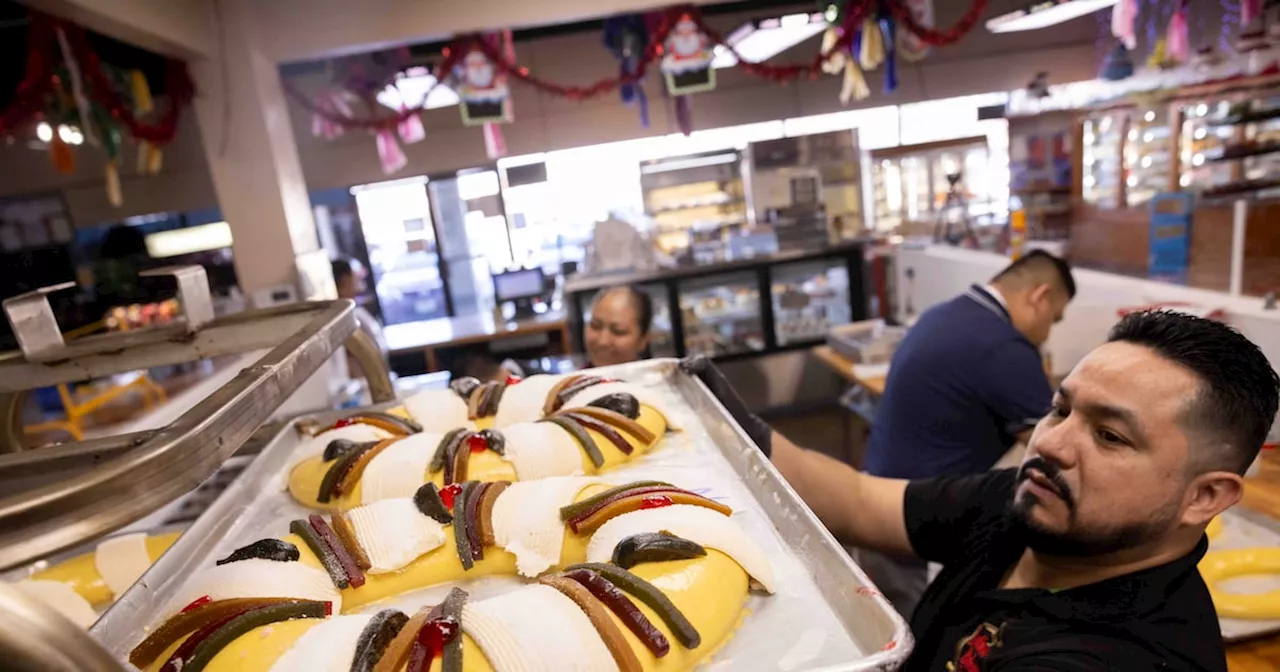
(345, 422)
(197, 603)
(476, 443)
(512, 380)
(328, 609)
(448, 492)
(655, 502)
(430, 642)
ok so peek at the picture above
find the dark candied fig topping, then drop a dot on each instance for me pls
(328, 559)
(474, 537)
(654, 547)
(573, 388)
(266, 549)
(464, 386)
(620, 403)
(373, 641)
(493, 399)
(329, 484)
(429, 502)
(494, 440)
(339, 448)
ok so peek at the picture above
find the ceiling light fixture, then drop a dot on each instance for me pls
(763, 39)
(1044, 14)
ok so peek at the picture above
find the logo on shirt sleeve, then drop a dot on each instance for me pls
(972, 650)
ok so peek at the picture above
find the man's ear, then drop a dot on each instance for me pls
(1209, 494)
(1040, 294)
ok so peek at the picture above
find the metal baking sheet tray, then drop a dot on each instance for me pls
(1242, 528)
(825, 616)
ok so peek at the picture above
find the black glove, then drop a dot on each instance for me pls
(706, 371)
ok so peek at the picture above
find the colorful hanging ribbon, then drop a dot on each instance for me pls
(1250, 11)
(389, 152)
(77, 88)
(626, 38)
(1123, 17)
(887, 27)
(410, 128)
(1177, 37)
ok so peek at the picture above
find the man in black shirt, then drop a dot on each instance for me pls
(1084, 558)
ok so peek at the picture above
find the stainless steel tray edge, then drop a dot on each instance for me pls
(810, 539)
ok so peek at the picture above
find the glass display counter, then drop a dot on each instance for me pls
(1103, 142)
(743, 308)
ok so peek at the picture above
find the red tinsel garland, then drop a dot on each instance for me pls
(938, 38)
(856, 12)
(39, 80)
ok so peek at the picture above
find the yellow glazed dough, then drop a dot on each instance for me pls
(1218, 566)
(710, 591)
(82, 574)
(305, 479)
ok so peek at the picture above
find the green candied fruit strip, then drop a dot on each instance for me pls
(206, 650)
(442, 449)
(428, 501)
(382, 628)
(326, 555)
(580, 435)
(649, 594)
(329, 484)
(461, 526)
(451, 661)
(575, 509)
(654, 547)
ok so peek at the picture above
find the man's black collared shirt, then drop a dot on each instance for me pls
(1156, 619)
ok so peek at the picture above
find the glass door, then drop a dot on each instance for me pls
(403, 252)
(471, 226)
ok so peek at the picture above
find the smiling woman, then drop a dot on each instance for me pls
(618, 331)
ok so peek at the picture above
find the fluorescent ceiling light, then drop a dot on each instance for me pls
(413, 86)
(175, 242)
(682, 164)
(1043, 14)
(761, 40)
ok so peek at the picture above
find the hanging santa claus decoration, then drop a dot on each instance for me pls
(686, 61)
(482, 90)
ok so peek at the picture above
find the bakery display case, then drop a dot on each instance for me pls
(1203, 135)
(1148, 154)
(1246, 160)
(743, 308)
(721, 314)
(809, 298)
(1102, 171)
(693, 199)
(921, 188)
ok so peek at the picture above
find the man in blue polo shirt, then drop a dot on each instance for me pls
(964, 385)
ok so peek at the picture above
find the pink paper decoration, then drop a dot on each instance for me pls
(1123, 16)
(389, 153)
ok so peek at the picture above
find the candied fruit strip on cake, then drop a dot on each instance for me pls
(649, 594)
(598, 614)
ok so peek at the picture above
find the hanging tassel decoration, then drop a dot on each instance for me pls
(1250, 11)
(114, 195)
(1177, 37)
(626, 37)
(684, 114)
(871, 53)
(835, 64)
(141, 160)
(410, 128)
(495, 145)
(142, 102)
(150, 158)
(60, 154)
(1123, 17)
(854, 86)
(887, 28)
(77, 88)
(910, 46)
(389, 152)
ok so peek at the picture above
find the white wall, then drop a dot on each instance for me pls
(942, 272)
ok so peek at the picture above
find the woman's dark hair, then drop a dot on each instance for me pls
(341, 269)
(640, 300)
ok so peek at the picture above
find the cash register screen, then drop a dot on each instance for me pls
(518, 284)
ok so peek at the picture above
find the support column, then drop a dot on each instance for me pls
(253, 159)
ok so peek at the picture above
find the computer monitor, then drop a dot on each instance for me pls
(516, 285)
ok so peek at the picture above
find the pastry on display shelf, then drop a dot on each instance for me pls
(80, 586)
(521, 430)
(644, 576)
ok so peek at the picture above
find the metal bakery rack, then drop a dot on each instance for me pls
(55, 498)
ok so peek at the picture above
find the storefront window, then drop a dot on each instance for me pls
(877, 126)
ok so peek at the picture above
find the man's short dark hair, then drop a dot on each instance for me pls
(1237, 400)
(341, 269)
(1037, 264)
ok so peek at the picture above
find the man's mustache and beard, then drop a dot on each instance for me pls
(1079, 540)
